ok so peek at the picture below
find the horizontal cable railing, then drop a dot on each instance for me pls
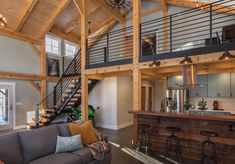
(111, 47)
(202, 28)
(54, 99)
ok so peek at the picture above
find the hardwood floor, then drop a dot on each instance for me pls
(123, 138)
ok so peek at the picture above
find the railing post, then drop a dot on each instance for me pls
(170, 33)
(61, 92)
(107, 50)
(210, 24)
(37, 116)
(54, 96)
(87, 53)
(105, 54)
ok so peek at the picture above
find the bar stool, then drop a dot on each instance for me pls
(173, 139)
(144, 138)
(208, 143)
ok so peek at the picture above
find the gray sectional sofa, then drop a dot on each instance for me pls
(38, 146)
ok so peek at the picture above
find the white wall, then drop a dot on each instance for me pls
(104, 95)
(17, 56)
(125, 101)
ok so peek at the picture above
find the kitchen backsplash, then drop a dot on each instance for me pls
(228, 104)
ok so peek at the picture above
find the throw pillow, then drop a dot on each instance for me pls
(66, 144)
(86, 130)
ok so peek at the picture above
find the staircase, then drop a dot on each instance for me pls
(66, 94)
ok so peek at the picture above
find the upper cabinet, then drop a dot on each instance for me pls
(233, 84)
(213, 85)
(201, 90)
(224, 81)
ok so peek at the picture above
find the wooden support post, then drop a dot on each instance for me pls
(43, 84)
(136, 71)
(84, 79)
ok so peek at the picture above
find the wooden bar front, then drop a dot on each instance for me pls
(190, 125)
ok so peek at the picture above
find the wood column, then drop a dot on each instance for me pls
(84, 79)
(136, 71)
(43, 84)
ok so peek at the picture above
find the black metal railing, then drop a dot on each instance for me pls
(205, 29)
(201, 28)
(110, 48)
(54, 99)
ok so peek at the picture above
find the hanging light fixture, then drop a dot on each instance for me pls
(119, 3)
(226, 56)
(155, 63)
(186, 60)
(3, 22)
(89, 28)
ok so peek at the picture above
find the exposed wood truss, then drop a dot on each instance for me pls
(34, 85)
(35, 49)
(162, 4)
(54, 17)
(115, 13)
(25, 15)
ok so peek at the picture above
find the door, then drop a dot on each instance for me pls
(143, 98)
(150, 99)
(6, 106)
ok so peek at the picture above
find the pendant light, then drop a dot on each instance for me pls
(226, 56)
(155, 63)
(186, 60)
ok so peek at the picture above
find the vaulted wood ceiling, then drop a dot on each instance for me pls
(32, 19)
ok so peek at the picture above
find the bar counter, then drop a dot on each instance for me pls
(190, 125)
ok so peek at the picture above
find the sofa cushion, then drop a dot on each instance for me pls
(39, 142)
(10, 151)
(68, 144)
(62, 158)
(107, 159)
(64, 130)
(85, 154)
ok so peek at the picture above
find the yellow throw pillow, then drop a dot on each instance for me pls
(86, 130)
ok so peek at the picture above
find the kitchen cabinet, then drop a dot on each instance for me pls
(224, 88)
(233, 84)
(173, 81)
(212, 85)
(199, 91)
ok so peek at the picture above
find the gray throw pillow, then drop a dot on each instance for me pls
(66, 144)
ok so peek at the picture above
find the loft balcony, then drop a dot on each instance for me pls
(203, 30)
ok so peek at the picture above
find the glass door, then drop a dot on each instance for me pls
(6, 108)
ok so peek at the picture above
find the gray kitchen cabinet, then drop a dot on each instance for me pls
(233, 84)
(202, 90)
(224, 85)
(170, 82)
(213, 85)
(199, 91)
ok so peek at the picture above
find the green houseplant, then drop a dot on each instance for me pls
(173, 105)
(202, 105)
(187, 105)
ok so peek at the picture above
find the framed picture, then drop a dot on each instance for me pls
(53, 67)
(149, 44)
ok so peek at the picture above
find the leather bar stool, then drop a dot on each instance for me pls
(210, 145)
(144, 138)
(173, 143)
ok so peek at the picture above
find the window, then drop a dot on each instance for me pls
(70, 49)
(52, 45)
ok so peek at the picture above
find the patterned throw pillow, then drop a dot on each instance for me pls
(86, 130)
(67, 144)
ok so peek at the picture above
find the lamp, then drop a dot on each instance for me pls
(226, 56)
(186, 60)
(119, 3)
(155, 63)
(3, 22)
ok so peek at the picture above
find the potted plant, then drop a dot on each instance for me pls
(187, 105)
(162, 108)
(173, 105)
(202, 105)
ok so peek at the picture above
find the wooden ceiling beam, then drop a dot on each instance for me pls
(35, 49)
(69, 37)
(25, 14)
(117, 15)
(19, 36)
(163, 4)
(36, 86)
(70, 26)
(54, 17)
(191, 4)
